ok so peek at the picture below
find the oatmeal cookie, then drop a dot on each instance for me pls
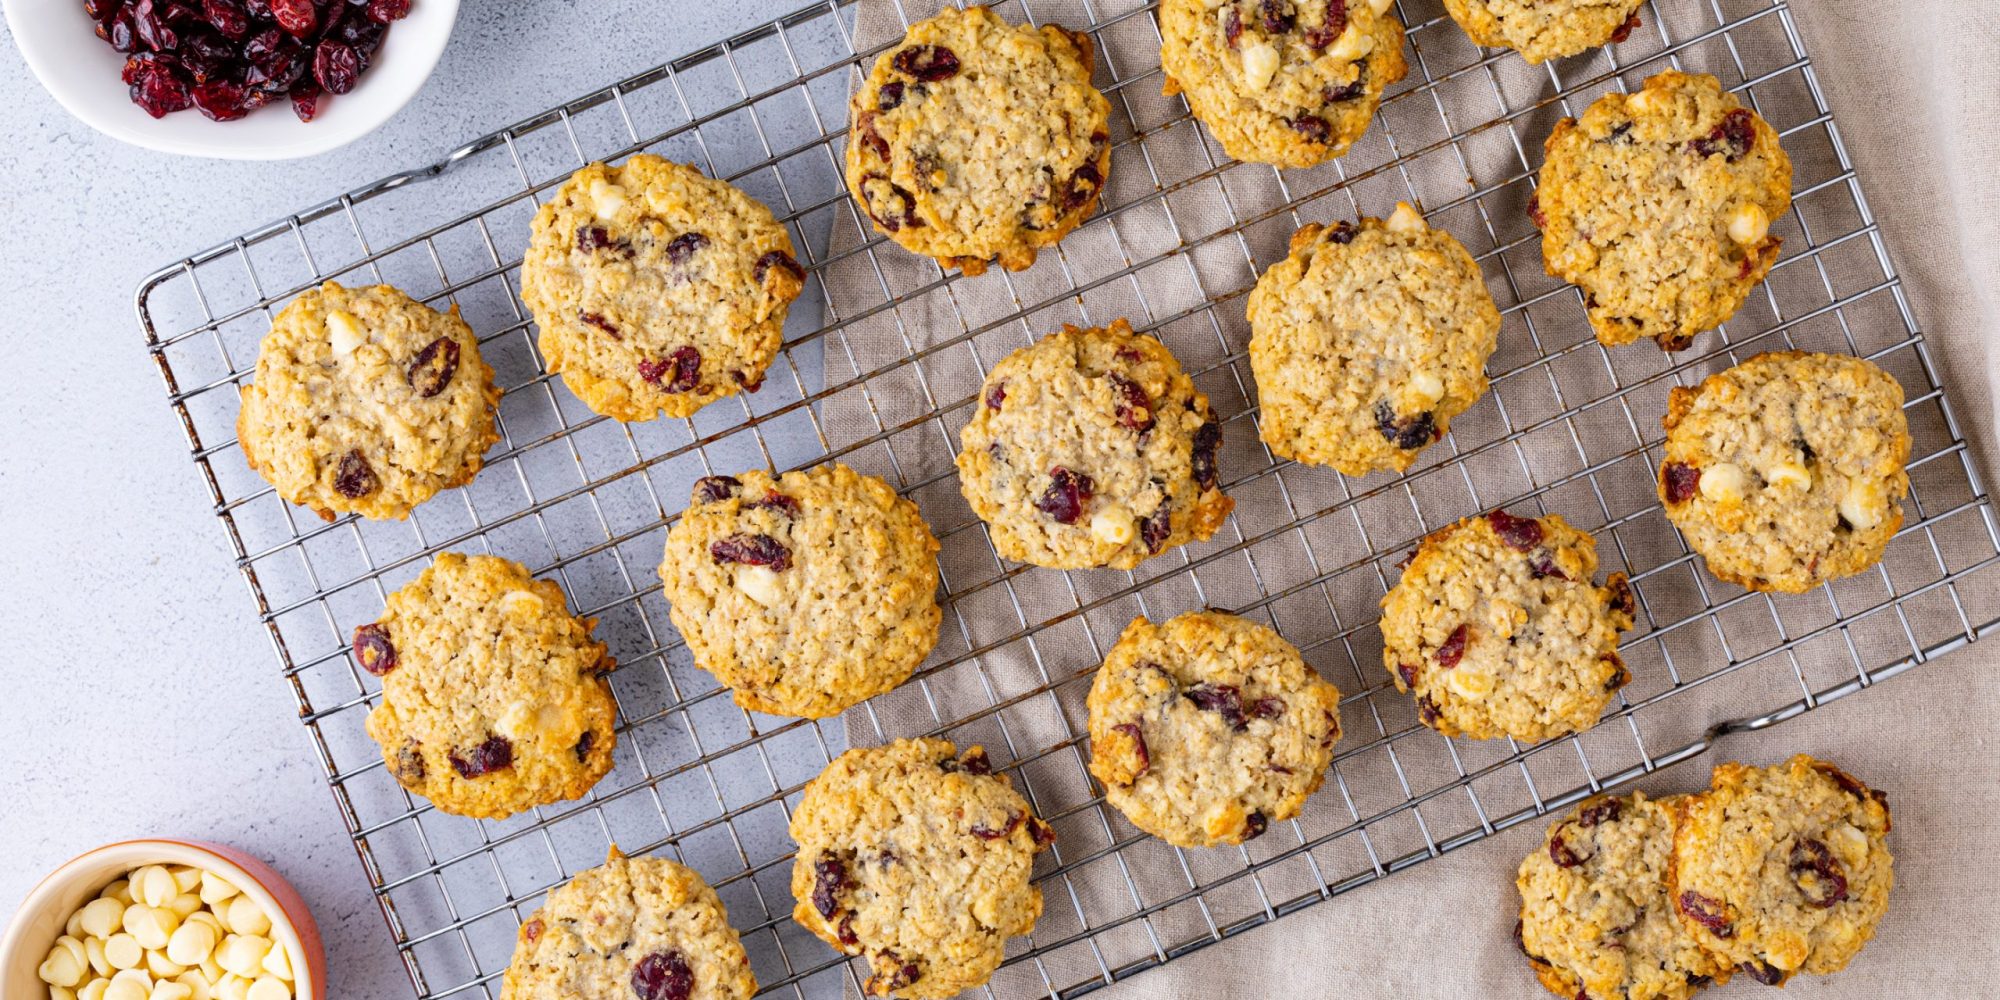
(1367, 341)
(493, 694)
(1787, 470)
(1092, 448)
(367, 402)
(1541, 30)
(657, 290)
(1208, 728)
(807, 593)
(1595, 916)
(1782, 868)
(977, 141)
(643, 928)
(920, 859)
(1659, 206)
(1290, 82)
(1498, 631)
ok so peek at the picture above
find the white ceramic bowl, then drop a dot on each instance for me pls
(40, 921)
(60, 44)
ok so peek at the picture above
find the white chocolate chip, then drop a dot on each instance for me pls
(1112, 525)
(1260, 64)
(521, 603)
(1850, 843)
(163, 967)
(214, 889)
(1473, 684)
(191, 943)
(123, 952)
(1643, 101)
(131, 984)
(199, 987)
(270, 988)
(1723, 483)
(1406, 219)
(1427, 386)
(62, 967)
(1789, 474)
(74, 925)
(153, 927)
(606, 199)
(61, 993)
(1749, 224)
(279, 962)
(1352, 43)
(246, 917)
(344, 332)
(93, 990)
(101, 916)
(93, 949)
(186, 877)
(761, 584)
(185, 905)
(158, 885)
(1861, 506)
(212, 971)
(233, 988)
(120, 890)
(170, 991)
(242, 954)
(1380, 7)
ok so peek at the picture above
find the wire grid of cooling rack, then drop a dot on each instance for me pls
(879, 370)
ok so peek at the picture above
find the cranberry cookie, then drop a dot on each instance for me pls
(1092, 448)
(367, 402)
(977, 141)
(1787, 470)
(493, 694)
(643, 928)
(1290, 82)
(1367, 341)
(1546, 29)
(1498, 631)
(806, 593)
(1782, 868)
(1208, 728)
(657, 290)
(1659, 206)
(920, 859)
(1595, 916)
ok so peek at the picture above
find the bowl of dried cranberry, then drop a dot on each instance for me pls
(237, 79)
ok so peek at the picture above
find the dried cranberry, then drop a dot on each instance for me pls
(1621, 595)
(1849, 784)
(1829, 880)
(972, 761)
(1769, 975)
(1083, 186)
(584, 744)
(894, 974)
(709, 489)
(120, 32)
(1041, 833)
(779, 259)
(1277, 15)
(384, 11)
(1313, 127)
(1254, 825)
(228, 17)
(783, 503)
(1408, 672)
(1542, 565)
(1267, 708)
(1625, 30)
(1518, 943)
(597, 320)
(1405, 432)
(274, 60)
(864, 129)
(305, 97)
(102, 10)
(1329, 28)
(1138, 746)
(434, 367)
(988, 833)
(1517, 533)
(929, 63)
(1565, 856)
(590, 239)
(677, 372)
(1732, 138)
(1207, 438)
(685, 246)
(1335, 95)
(1225, 700)
(752, 550)
(1680, 481)
(1232, 27)
(409, 766)
(1535, 211)
(159, 92)
(848, 939)
(1342, 232)
(748, 383)
(889, 96)
(373, 650)
(996, 395)
(152, 26)
(1708, 913)
(205, 55)
(1135, 408)
(1427, 710)
(1066, 494)
(829, 877)
(355, 478)
(662, 975)
(336, 66)
(1602, 811)
(496, 754)
(1453, 649)
(1157, 526)
(297, 17)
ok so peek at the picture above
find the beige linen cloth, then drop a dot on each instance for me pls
(1912, 85)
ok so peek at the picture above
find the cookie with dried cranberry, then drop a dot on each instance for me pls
(1541, 30)
(631, 929)
(1208, 728)
(920, 860)
(1092, 448)
(367, 402)
(657, 290)
(1290, 82)
(977, 141)
(805, 593)
(493, 695)
(1498, 630)
(1595, 917)
(1782, 868)
(1367, 340)
(1787, 470)
(1659, 206)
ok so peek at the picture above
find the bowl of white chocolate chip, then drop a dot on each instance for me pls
(163, 920)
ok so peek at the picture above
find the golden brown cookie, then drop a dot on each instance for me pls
(1546, 29)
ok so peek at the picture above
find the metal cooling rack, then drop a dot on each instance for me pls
(882, 357)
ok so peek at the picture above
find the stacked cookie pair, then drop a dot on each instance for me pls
(1769, 872)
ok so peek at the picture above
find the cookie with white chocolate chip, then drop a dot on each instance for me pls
(1367, 340)
(1787, 470)
(645, 928)
(920, 859)
(1092, 448)
(805, 593)
(976, 141)
(494, 698)
(1541, 30)
(1659, 204)
(1782, 868)
(367, 402)
(1498, 630)
(1289, 82)
(1207, 728)
(657, 290)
